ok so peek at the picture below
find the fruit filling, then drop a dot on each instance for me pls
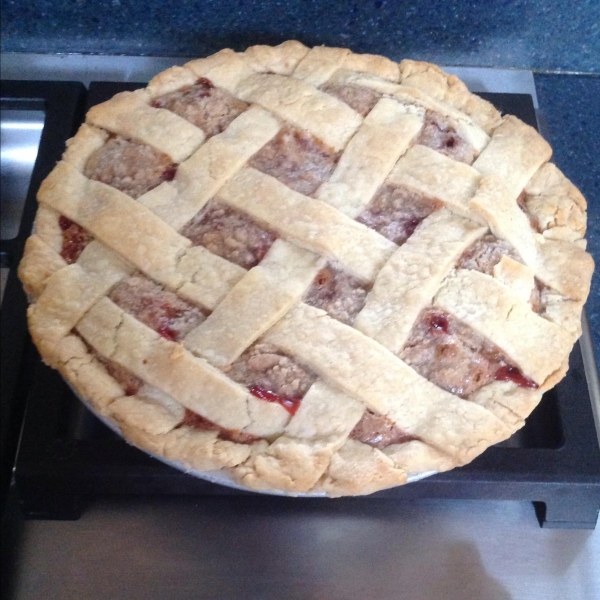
(455, 357)
(361, 99)
(396, 211)
(378, 431)
(533, 220)
(272, 376)
(204, 105)
(229, 233)
(159, 309)
(130, 167)
(340, 294)
(128, 381)
(194, 420)
(74, 239)
(438, 133)
(297, 159)
(484, 254)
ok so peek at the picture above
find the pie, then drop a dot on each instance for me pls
(313, 270)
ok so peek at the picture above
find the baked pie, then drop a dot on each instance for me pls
(313, 270)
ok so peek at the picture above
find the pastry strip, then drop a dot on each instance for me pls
(224, 69)
(515, 152)
(70, 292)
(117, 220)
(561, 265)
(39, 262)
(449, 88)
(319, 64)
(411, 277)
(215, 162)
(164, 364)
(320, 114)
(493, 310)
(129, 114)
(366, 370)
(208, 277)
(358, 468)
(384, 136)
(281, 59)
(438, 176)
(475, 135)
(310, 223)
(297, 459)
(257, 302)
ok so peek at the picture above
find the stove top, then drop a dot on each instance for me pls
(66, 456)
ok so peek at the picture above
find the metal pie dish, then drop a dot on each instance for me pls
(219, 477)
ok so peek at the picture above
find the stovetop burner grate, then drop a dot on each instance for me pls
(67, 456)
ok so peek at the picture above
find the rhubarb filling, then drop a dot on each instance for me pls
(533, 220)
(128, 381)
(272, 376)
(297, 159)
(455, 357)
(396, 211)
(340, 294)
(361, 99)
(438, 133)
(194, 420)
(74, 239)
(484, 254)
(204, 105)
(130, 167)
(378, 431)
(159, 309)
(229, 233)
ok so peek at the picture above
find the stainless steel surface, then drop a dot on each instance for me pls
(230, 548)
(21, 131)
(86, 68)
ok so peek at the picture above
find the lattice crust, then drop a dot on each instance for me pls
(225, 320)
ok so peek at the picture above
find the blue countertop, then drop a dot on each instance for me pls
(570, 105)
(550, 35)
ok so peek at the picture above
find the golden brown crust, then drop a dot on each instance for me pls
(300, 445)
